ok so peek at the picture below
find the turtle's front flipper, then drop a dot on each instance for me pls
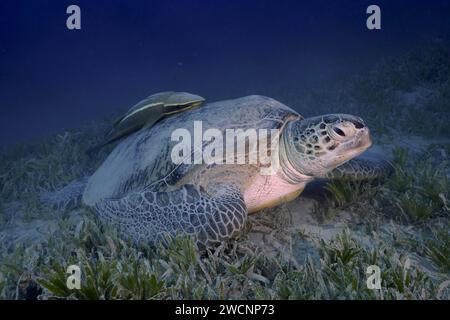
(149, 216)
(360, 169)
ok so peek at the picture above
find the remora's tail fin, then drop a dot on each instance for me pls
(95, 149)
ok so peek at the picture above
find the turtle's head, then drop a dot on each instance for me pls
(317, 145)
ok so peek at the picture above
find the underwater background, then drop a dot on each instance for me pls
(52, 78)
(60, 90)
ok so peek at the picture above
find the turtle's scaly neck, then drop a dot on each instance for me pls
(289, 157)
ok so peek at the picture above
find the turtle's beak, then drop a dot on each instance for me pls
(360, 143)
(366, 140)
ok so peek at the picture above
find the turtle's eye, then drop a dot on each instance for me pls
(339, 131)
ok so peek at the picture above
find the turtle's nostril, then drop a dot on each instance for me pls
(358, 125)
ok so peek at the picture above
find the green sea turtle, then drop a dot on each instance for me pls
(147, 112)
(140, 190)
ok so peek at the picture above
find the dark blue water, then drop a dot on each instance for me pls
(52, 78)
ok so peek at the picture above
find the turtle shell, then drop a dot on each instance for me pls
(143, 160)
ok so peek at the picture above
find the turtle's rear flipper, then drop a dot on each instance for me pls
(151, 216)
(67, 198)
(362, 169)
